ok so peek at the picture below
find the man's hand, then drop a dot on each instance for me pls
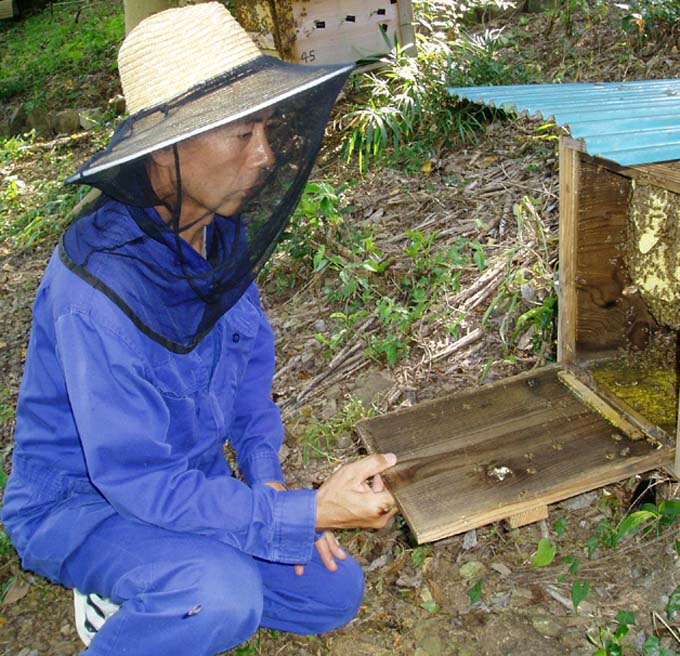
(355, 496)
(329, 549)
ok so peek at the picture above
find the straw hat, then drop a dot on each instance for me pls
(185, 71)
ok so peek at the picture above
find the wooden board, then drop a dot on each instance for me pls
(7, 9)
(499, 451)
(600, 311)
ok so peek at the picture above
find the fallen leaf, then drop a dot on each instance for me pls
(17, 590)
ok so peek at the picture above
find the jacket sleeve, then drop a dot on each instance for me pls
(122, 421)
(256, 431)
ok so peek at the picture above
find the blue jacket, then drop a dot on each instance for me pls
(109, 421)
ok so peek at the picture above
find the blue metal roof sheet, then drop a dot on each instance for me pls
(628, 123)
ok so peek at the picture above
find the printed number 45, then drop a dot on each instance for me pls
(308, 56)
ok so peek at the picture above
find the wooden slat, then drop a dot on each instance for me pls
(569, 179)
(504, 449)
(528, 517)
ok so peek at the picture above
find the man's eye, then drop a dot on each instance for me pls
(244, 136)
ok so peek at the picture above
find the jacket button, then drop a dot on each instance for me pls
(235, 337)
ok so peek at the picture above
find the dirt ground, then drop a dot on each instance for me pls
(420, 599)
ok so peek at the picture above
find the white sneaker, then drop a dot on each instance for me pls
(91, 613)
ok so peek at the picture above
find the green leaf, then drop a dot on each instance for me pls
(430, 606)
(633, 522)
(579, 591)
(673, 603)
(475, 592)
(545, 553)
(560, 526)
(625, 617)
(670, 508)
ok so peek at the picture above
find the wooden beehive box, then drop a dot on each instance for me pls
(605, 411)
(326, 31)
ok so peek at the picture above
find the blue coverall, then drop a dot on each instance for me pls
(119, 484)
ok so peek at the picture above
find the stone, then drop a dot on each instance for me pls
(344, 441)
(580, 502)
(117, 104)
(371, 386)
(547, 626)
(39, 120)
(17, 121)
(66, 121)
(470, 540)
(90, 118)
(472, 570)
(320, 326)
(501, 568)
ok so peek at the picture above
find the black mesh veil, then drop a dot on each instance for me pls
(231, 190)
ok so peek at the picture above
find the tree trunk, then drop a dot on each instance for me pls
(138, 10)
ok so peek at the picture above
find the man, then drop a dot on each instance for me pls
(150, 348)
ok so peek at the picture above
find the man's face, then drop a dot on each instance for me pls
(224, 166)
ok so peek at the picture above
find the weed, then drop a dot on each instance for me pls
(319, 438)
(656, 21)
(608, 642)
(62, 46)
(406, 109)
(525, 306)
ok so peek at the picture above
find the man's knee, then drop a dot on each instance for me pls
(232, 589)
(345, 595)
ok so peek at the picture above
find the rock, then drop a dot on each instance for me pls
(117, 104)
(17, 121)
(470, 540)
(546, 626)
(39, 120)
(344, 441)
(330, 409)
(472, 570)
(378, 563)
(502, 569)
(580, 502)
(371, 386)
(66, 121)
(90, 118)
(320, 325)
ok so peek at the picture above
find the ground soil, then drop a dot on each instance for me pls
(419, 600)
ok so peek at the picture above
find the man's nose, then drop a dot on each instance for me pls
(261, 154)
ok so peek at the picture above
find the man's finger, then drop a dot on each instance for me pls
(324, 550)
(299, 570)
(336, 548)
(378, 484)
(367, 467)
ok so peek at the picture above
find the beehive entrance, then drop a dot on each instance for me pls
(606, 411)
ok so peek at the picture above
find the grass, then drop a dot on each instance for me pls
(52, 58)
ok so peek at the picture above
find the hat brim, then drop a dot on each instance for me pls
(261, 83)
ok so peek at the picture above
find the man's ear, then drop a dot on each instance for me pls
(163, 157)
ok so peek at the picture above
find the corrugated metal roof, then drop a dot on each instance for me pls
(626, 122)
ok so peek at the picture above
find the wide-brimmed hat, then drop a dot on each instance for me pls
(185, 71)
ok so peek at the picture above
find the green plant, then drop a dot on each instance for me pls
(320, 437)
(656, 21)
(608, 642)
(406, 108)
(52, 57)
(525, 305)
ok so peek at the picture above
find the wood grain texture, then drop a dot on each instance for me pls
(477, 457)
(528, 517)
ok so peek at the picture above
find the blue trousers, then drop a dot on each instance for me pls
(188, 594)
